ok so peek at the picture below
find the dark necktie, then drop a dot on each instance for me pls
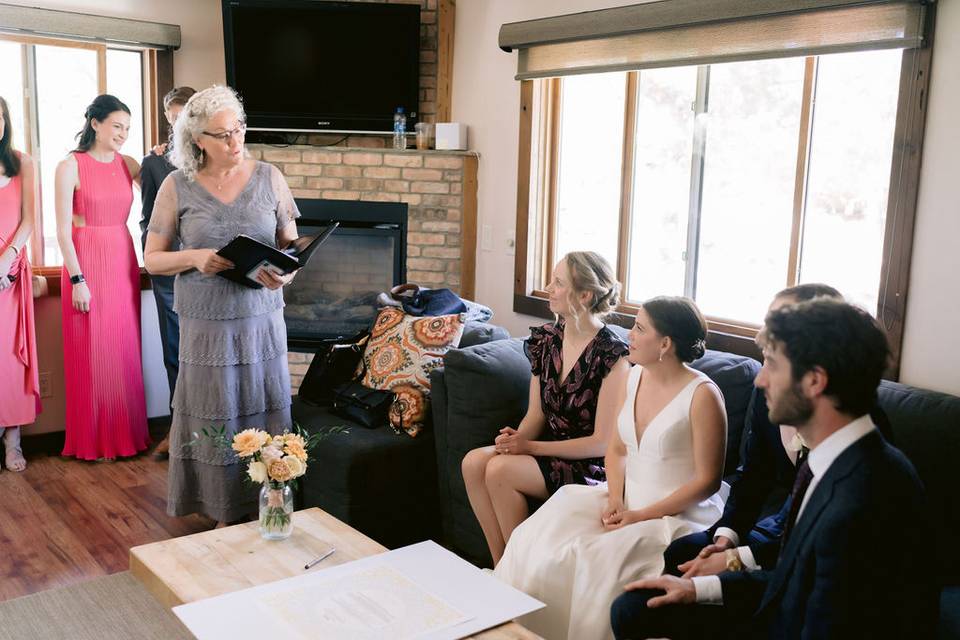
(800, 485)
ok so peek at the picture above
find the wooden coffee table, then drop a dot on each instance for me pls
(203, 565)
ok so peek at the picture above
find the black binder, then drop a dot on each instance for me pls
(249, 256)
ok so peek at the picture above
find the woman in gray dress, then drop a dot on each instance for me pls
(233, 341)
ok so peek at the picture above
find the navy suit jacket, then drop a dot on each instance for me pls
(856, 564)
(764, 481)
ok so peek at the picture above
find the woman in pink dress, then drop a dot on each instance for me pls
(100, 290)
(20, 389)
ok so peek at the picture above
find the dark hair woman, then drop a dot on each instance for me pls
(20, 391)
(100, 290)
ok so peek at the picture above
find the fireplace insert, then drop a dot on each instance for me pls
(335, 295)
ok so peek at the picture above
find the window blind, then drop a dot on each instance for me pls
(689, 32)
(82, 26)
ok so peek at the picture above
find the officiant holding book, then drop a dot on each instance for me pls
(233, 341)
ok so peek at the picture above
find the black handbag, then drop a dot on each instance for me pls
(334, 364)
(365, 406)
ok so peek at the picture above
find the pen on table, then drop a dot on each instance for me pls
(320, 559)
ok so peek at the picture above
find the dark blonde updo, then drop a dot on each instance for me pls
(590, 272)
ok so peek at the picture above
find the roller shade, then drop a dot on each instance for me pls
(688, 32)
(83, 26)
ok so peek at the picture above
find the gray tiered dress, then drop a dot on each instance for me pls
(233, 343)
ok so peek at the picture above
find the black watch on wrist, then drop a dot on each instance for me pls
(77, 279)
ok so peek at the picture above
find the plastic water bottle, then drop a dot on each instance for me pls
(399, 129)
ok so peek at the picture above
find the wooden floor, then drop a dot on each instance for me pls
(63, 520)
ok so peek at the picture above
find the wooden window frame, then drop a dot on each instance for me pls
(157, 69)
(535, 231)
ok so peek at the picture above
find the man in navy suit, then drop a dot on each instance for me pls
(853, 561)
(764, 478)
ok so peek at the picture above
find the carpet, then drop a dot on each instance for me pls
(112, 607)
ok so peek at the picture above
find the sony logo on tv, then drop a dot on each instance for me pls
(323, 122)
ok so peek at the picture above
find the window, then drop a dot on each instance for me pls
(51, 84)
(724, 182)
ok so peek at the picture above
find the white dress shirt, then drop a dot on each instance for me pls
(708, 588)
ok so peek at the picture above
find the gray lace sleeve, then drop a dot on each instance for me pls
(164, 220)
(286, 206)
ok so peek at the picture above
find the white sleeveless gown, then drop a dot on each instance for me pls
(561, 554)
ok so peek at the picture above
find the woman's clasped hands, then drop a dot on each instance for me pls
(614, 516)
(512, 442)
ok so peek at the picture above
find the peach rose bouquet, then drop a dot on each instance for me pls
(275, 462)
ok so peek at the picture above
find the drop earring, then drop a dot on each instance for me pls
(660, 359)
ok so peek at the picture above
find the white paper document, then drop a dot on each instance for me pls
(422, 591)
(369, 604)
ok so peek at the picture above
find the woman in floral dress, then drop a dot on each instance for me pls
(576, 362)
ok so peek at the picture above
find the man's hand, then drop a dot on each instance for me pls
(707, 560)
(678, 590)
(710, 566)
(159, 149)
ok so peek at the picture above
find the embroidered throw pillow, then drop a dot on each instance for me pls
(399, 357)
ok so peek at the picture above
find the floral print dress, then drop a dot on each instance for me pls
(570, 405)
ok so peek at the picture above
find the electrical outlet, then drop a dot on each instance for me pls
(45, 390)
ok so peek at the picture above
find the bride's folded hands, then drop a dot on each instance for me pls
(611, 513)
(621, 518)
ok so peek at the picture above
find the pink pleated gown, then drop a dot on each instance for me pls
(19, 389)
(106, 410)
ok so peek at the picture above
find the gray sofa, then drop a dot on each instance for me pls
(485, 387)
(375, 480)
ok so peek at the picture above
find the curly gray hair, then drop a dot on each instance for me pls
(202, 106)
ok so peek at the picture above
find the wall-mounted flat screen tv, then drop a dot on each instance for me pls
(305, 65)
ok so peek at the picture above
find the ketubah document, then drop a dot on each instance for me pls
(249, 256)
(422, 591)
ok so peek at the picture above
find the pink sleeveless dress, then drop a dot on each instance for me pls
(20, 389)
(106, 411)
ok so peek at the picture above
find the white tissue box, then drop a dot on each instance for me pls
(451, 135)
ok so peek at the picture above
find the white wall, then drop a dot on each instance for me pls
(199, 62)
(931, 344)
(487, 98)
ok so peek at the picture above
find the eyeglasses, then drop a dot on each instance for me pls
(239, 131)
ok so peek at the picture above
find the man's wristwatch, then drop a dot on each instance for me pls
(77, 279)
(734, 563)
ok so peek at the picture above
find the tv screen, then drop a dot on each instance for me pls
(302, 65)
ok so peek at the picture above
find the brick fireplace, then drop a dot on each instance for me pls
(439, 187)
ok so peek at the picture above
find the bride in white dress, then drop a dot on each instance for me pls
(663, 467)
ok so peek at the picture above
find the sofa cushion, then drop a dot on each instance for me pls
(377, 481)
(475, 333)
(926, 427)
(734, 375)
(399, 357)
